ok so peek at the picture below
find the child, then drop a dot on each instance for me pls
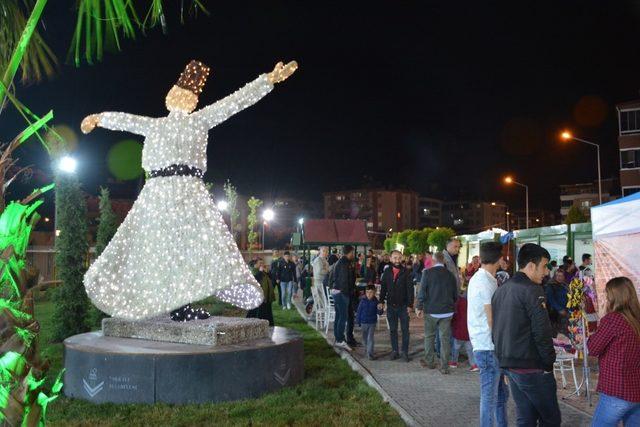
(367, 318)
(460, 334)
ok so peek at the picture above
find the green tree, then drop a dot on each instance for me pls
(252, 220)
(575, 216)
(403, 239)
(232, 199)
(389, 244)
(108, 222)
(107, 227)
(71, 302)
(418, 242)
(440, 236)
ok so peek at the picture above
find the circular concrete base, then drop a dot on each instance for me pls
(124, 370)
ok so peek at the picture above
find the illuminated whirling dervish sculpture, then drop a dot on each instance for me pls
(174, 248)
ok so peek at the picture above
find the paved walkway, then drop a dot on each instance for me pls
(425, 397)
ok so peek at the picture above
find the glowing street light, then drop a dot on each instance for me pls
(568, 136)
(301, 221)
(268, 214)
(223, 205)
(67, 164)
(510, 180)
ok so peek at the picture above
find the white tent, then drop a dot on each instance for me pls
(616, 236)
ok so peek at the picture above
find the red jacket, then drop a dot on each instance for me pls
(459, 322)
(617, 346)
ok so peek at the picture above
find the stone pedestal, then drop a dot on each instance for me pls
(216, 330)
(103, 369)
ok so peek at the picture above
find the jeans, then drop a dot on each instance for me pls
(535, 397)
(611, 410)
(367, 336)
(341, 302)
(393, 314)
(431, 327)
(351, 315)
(286, 292)
(493, 390)
(468, 348)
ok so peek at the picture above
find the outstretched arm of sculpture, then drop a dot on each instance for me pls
(246, 96)
(117, 121)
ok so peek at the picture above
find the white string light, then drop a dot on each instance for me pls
(173, 247)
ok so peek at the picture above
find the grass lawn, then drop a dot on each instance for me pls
(330, 394)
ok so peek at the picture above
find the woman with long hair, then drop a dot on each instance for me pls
(616, 343)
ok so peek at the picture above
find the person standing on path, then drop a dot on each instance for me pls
(451, 259)
(287, 279)
(396, 291)
(482, 286)
(320, 267)
(367, 319)
(523, 339)
(342, 284)
(436, 299)
(616, 343)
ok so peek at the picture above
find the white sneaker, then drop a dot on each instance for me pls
(343, 344)
(288, 307)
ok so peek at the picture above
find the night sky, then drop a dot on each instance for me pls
(441, 97)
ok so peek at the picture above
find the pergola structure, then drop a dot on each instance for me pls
(331, 233)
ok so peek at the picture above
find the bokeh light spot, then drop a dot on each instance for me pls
(124, 159)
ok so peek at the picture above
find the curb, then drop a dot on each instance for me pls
(363, 371)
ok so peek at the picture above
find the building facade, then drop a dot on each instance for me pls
(383, 210)
(537, 218)
(466, 216)
(629, 146)
(585, 195)
(429, 212)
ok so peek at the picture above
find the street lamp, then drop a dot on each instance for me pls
(301, 221)
(508, 213)
(267, 215)
(568, 136)
(223, 205)
(510, 180)
(67, 164)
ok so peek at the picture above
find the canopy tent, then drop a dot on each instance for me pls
(616, 235)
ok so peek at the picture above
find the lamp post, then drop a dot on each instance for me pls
(568, 136)
(507, 219)
(267, 215)
(510, 180)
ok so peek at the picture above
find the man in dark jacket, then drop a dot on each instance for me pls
(342, 283)
(397, 292)
(287, 278)
(436, 299)
(523, 339)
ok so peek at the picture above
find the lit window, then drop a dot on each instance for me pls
(586, 203)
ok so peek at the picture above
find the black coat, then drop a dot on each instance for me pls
(343, 276)
(287, 271)
(438, 291)
(398, 292)
(522, 332)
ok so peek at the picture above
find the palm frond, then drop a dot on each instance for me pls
(38, 61)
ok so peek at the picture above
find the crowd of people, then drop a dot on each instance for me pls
(505, 323)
